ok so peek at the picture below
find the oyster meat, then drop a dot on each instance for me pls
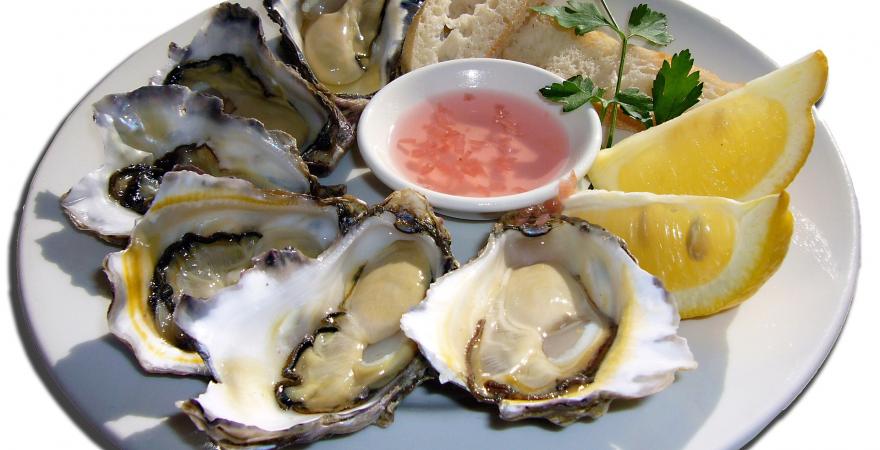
(158, 129)
(304, 348)
(228, 58)
(198, 237)
(348, 48)
(551, 320)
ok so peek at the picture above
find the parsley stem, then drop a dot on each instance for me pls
(603, 113)
(624, 43)
(610, 16)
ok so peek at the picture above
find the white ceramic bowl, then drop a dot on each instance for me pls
(389, 104)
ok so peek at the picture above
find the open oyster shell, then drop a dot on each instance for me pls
(157, 129)
(304, 348)
(199, 235)
(348, 48)
(551, 320)
(229, 58)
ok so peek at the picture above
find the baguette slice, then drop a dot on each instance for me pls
(453, 29)
(541, 42)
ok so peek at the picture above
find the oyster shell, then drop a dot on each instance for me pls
(199, 235)
(551, 320)
(229, 58)
(300, 349)
(348, 48)
(158, 129)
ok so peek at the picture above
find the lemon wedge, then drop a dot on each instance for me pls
(711, 253)
(749, 143)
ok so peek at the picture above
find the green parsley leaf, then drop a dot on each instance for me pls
(675, 88)
(573, 93)
(651, 25)
(636, 104)
(583, 16)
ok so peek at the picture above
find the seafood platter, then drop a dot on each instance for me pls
(555, 190)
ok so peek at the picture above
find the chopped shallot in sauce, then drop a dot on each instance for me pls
(480, 144)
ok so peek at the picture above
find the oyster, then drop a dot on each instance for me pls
(551, 320)
(199, 235)
(348, 48)
(229, 58)
(157, 129)
(303, 348)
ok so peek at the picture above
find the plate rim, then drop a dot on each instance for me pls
(103, 437)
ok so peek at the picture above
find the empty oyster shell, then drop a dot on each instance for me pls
(304, 348)
(199, 235)
(229, 58)
(552, 320)
(349, 48)
(157, 129)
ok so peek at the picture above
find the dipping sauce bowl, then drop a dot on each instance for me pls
(390, 107)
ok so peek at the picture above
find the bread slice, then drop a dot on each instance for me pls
(443, 30)
(453, 29)
(543, 43)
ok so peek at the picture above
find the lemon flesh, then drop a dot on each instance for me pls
(745, 145)
(711, 253)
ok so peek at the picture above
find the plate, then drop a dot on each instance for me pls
(754, 360)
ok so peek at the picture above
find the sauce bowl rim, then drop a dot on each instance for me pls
(580, 159)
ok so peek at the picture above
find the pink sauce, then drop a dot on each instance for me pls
(480, 144)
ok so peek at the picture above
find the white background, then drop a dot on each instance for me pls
(54, 51)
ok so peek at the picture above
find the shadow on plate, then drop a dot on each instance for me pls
(352, 171)
(103, 372)
(178, 424)
(75, 252)
(667, 420)
(121, 389)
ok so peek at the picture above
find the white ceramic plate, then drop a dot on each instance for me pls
(754, 360)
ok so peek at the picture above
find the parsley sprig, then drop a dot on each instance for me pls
(675, 89)
(574, 93)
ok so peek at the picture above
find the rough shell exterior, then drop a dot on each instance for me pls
(291, 294)
(642, 359)
(235, 30)
(204, 205)
(143, 125)
(389, 43)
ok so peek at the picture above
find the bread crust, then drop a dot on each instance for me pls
(538, 40)
(523, 13)
(543, 43)
(423, 43)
